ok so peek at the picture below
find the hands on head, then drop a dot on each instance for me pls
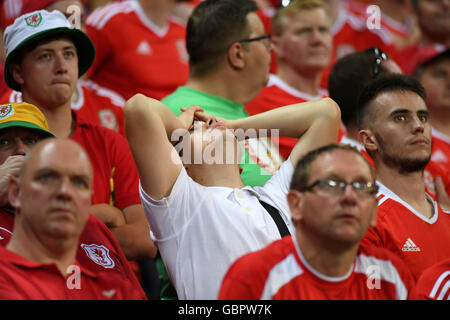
(196, 113)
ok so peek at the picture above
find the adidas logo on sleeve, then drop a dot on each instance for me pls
(410, 246)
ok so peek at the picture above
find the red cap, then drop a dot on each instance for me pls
(424, 55)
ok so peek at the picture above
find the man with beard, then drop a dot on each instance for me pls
(395, 130)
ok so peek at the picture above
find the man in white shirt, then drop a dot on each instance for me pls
(202, 216)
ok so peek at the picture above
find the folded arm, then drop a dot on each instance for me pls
(130, 227)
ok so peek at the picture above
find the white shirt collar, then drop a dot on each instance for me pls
(160, 32)
(390, 194)
(227, 192)
(317, 273)
(353, 143)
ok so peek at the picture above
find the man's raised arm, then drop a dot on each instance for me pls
(315, 123)
(148, 126)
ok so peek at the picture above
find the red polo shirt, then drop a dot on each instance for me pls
(27, 280)
(116, 180)
(94, 104)
(99, 250)
(6, 226)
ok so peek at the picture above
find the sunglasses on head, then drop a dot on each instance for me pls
(380, 56)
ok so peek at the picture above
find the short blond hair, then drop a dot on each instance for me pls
(292, 8)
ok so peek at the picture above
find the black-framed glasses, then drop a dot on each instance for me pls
(380, 56)
(337, 187)
(265, 38)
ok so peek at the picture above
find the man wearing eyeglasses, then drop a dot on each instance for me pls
(396, 132)
(229, 57)
(229, 60)
(332, 201)
(202, 214)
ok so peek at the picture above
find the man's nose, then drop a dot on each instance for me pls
(64, 188)
(20, 147)
(317, 36)
(60, 63)
(418, 125)
(349, 194)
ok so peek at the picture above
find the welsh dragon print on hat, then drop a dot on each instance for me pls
(23, 115)
(37, 26)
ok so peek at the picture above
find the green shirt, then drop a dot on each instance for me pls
(252, 174)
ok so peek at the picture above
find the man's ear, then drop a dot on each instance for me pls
(236, 56)
(296, 200)
(14, 192)
(16, 72)
(276, 46)
(368, 140)
(373, 220)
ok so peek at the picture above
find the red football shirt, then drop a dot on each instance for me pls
(95, 104)
(133, 54)
(99, 250)
(21, 279)
(404, 56)
(441, 149)
(350, 34)
(100, 106)
(6, 226)
(280, 272)
(277, 94)
(400, 32)
(9, 10)
(116, 179)
(434, 283)
(431, 172)
(419, 241)
(3, 86)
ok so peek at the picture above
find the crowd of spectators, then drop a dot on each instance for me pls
(224, 149)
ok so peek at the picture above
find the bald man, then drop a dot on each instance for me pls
(52, 196)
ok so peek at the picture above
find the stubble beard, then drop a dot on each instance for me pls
(404, 164)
